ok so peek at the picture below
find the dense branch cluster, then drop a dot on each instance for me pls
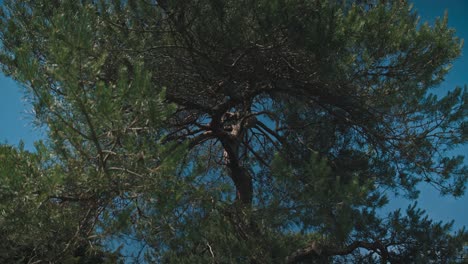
(220, 131)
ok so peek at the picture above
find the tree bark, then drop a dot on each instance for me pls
(243, 182)
(239, 175)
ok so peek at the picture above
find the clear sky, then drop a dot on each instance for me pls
(15, 122)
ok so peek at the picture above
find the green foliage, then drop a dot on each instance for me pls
(229, 132)
(34, 228)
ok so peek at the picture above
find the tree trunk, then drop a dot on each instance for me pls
(239, 175)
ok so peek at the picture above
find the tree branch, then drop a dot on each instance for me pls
(315, 250)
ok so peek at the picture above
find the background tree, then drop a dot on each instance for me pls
(240, 131)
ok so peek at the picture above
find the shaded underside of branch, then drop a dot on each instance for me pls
(316, 250)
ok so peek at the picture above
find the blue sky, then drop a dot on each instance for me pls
(16, 122)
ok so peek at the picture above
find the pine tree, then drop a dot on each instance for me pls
(224, 131)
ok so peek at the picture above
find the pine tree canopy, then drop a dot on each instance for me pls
(230, 131)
